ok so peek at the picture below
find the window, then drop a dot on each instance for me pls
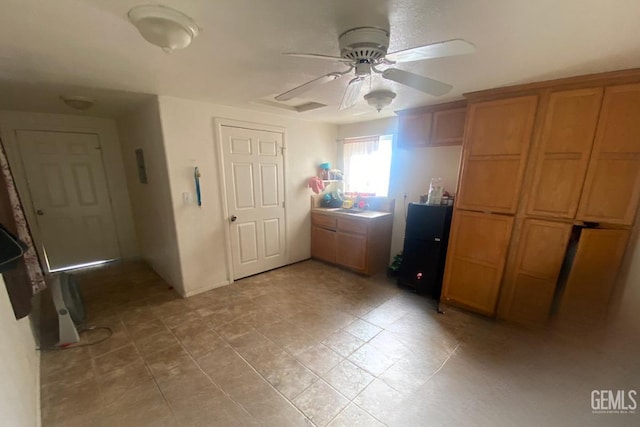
(367, 164)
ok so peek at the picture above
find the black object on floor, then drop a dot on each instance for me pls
(425, 248)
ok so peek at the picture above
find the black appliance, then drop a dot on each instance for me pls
(426, 239)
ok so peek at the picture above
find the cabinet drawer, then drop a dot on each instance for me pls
(324, 221)
(352, 226)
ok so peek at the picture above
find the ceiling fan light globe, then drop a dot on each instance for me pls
(380, 99)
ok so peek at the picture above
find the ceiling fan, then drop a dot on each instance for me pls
(364, 51)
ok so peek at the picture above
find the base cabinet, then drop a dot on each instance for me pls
(323, 244)
(531, 278)
(593, 273)
(351, 251)
(358, 243)
(475, 260)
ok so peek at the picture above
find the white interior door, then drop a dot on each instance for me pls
(69, 193)
(253, 168)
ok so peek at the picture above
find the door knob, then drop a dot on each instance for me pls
(40, 212)
(233, 218)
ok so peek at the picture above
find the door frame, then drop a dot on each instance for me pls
(12, 121)
(218, 123)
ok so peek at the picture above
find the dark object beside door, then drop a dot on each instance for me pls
(425, 248)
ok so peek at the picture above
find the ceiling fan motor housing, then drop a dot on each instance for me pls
(364, 44)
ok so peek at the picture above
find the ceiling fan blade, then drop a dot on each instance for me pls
(318, 56)
(297, 91)
(434, 50)
(416, 81)
(351, 93)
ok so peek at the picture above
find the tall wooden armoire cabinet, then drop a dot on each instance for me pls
(547, 197)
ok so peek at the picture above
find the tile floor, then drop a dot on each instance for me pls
(312, 345)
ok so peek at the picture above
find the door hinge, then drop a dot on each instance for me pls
(283, 204)
(282, 148)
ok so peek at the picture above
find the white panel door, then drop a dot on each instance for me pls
(253, 169)
(70, 197)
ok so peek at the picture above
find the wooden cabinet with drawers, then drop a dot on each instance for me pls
(359, 243)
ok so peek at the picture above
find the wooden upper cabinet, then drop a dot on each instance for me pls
(530, 280)
(448, 127)
(612, 187)
(432, 126)
(496, 148)
(475, 260)
(593, 274)
(563, 152)
(414, 129)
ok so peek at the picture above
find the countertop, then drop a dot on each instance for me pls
(351, 213)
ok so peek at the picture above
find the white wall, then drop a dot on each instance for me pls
(19, 368)
(111, 155)
(411, 169)
(189, 139)
(151, 203)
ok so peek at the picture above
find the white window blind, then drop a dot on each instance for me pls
(367, 164)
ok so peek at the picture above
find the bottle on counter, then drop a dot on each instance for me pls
(435, 192)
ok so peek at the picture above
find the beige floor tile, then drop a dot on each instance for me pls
(348, 378)
(320, 403)
(202, 343)
(371, 359)
(144, 328)
(343, 343)
(119, 338)
(115, 385)
(240, 368)
(380, 400)
(149, 344)
(176, 320)
(288, 376)
(116, 359)
(363, 330)
(352, 416)
(320, 359)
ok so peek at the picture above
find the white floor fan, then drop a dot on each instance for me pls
(364, 51)
(69, 305)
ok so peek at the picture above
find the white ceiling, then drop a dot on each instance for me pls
(236, 60)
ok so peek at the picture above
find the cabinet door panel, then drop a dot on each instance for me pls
(496, 148)
(323, 244)
(352, 251)
(593, 273)
(533, 276)
(612, 187)
(563, 153)
(488, 184)
(448, 127)
(414, 130)
(475, 259)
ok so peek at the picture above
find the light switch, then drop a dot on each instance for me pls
(187, 198)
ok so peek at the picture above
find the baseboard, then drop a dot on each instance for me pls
(206, 288)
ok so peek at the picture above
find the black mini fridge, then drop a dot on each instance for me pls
(425, 248)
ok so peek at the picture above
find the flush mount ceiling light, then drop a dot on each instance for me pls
(164, 27)
(379, 99)
(77, 102)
